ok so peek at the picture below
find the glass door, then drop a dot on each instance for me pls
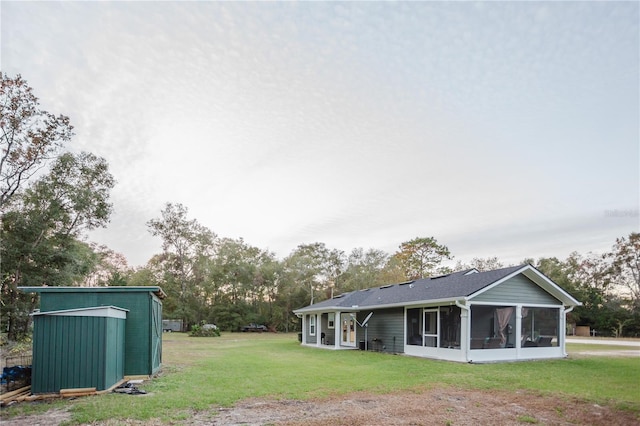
(430, 328)
(348, 331)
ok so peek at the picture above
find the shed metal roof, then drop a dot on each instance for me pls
(97, 311)
(113, 289)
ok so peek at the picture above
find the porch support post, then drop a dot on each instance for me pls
(304, 329)
(337, 330)
(562, 330)
(319, 329)
(465, 329)
(465, 332)
(518, 330)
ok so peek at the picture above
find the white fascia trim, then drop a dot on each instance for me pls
(523, 304)
(310, 310)
(305, 311)
(424, 303)
(553, 287)
(416, 303)
(99, 311)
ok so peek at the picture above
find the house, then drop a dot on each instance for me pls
(514, 313)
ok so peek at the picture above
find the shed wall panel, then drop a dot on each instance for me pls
(77, 352)
(114, 365)
(138, 351)
(518, 289)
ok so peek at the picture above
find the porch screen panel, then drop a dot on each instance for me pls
(493, 327)
(450, 327)
(414, 326)
(540, 327)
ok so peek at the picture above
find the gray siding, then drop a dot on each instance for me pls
(310, 338)
(384, 325)
(330, 333)
(518, 289)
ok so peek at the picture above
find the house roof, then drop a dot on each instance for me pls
(451, 287)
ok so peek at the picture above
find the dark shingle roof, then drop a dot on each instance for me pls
(451, 286)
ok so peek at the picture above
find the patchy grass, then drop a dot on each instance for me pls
(200, 373)
(527, 419)
(581, 347)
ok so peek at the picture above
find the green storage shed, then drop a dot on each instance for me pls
(143, 329)
(78, 348)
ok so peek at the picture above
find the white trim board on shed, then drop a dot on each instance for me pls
(98, 311)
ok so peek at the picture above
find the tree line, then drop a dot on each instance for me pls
(229, 282)
(49, 199)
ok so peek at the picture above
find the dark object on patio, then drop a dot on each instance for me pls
(544, 341)
(377, 344)
(416, 339)
(477, 343)
(492, 343)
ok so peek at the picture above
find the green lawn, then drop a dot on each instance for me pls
(199, 373)
(580, 347)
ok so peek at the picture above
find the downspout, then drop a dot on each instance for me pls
(461, 306)
(564, 332)
(467, 341)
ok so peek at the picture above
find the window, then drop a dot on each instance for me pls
(332, 320)
(312, 325)
(493, 327)
(540, 327)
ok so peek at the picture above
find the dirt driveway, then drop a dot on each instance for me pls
(431, 407)
(426, 407)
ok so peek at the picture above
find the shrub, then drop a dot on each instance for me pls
(204, 330)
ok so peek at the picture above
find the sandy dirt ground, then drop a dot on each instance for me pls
(426, 407)
(433, 407)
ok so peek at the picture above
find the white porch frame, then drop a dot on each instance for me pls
(319, 330)
(518, 352)
(450, 354)
(466, 354)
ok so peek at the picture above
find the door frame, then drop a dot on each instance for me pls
(350, 331)
(432, 335)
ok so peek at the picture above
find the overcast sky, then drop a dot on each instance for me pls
(501, 129)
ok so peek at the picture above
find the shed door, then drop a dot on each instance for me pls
(156, 333)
